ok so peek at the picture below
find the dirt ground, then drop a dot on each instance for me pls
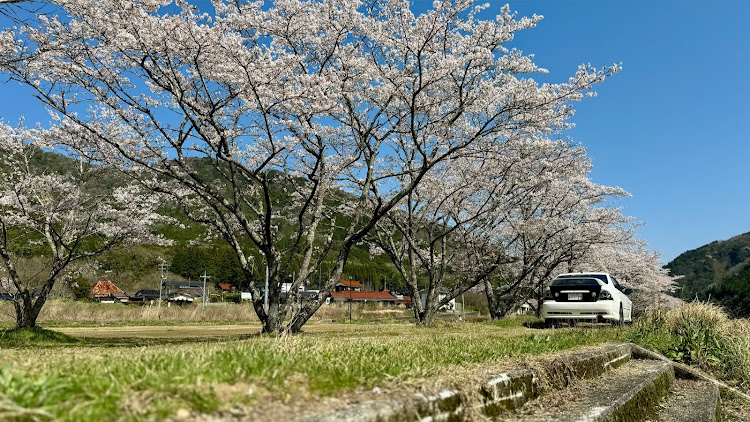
(160, 332)
(228, 332)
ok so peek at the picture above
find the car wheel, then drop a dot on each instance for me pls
(621, 319)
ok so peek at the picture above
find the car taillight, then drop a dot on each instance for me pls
(605, 295)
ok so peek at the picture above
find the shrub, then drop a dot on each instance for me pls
(232, 297)
(80, 288)
(699, 334)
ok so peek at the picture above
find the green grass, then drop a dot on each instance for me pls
(82, 381)
(702, 335)
(46, 375)
(33, 337)
(519, 321)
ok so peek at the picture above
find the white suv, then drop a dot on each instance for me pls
(595, 297)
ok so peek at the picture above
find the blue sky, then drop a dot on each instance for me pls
(671, 128)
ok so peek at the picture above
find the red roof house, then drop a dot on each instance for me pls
(107, 290)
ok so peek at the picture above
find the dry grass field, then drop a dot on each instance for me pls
(62, 313)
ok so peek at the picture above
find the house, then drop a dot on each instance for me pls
(527, 308)
(107, 292)
(450, 306)
(145, 296)
(347, 285)
(304, 295)
(191, 288)
(180, 299)
(225, 287)
(286, 287)
(402, 300)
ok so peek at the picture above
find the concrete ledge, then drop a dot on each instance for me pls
(634, 404)
(625, 395)
(500, 393)
(690, 401)
(562, 371)
(447, 405)
(510, 390)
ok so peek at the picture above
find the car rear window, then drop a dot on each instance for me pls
(569, 281)
(601, 277)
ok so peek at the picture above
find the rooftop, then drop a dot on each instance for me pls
(105, 288)
(350, 283)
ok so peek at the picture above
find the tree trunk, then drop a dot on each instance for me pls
(28, 309)
(271, 319)
(539, 300)
(300, 317)
(271, 324)
(307, 310)
(427, 317)
(492, 300)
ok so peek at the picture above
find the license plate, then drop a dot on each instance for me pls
(575, 296)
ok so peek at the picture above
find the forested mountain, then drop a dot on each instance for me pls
(136, 267)
(719, 271)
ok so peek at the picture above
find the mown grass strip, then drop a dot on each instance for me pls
(84, 383)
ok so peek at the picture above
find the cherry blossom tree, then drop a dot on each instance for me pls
(638, 268)
(563, 223)
(343, 106)
(424, 236)
(449, 227)
(562, 215)
(51, 219)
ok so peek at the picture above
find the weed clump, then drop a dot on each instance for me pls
(699, 334)
(37, 336)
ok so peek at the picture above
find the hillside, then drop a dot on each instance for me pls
(137, 267)
(719, 271)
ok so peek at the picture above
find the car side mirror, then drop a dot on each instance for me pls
(628, 291)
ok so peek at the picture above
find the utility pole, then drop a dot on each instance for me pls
(463, 308)
(299, 291)
(204, 277)
(162, 266)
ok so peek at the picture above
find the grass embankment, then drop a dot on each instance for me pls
(82, 381)
(702, 335)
